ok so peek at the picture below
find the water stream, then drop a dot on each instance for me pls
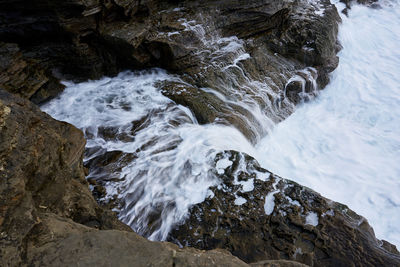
(345, 144)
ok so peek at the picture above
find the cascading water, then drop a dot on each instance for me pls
(345, 144)
(169, 153)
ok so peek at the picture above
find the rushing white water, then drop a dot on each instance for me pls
(346, 143)
(171, 156)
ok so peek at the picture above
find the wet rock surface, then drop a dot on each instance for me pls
(257, 215)
(258, 52)
(48, 216)
(223, 45)
(41, 172)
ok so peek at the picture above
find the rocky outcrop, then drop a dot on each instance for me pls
(25, 77)
(245, 51)
(48, 216)
(41, 172)
(61, 242)
(257, 215)
(231, 56)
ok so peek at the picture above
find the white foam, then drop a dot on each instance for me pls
(329, 212)
(293, 202)
(173, 153)
(222, 164)
(318, 8)
(298, 251)
(269, 203)
(346, 143)
(247, 186)
(240, 201)
(312, 219)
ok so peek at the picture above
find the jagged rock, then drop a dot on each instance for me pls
(209, 109)
(257, 215)
(58, 241)
(48, 216)
(41, 172)
(25, 77)
(79, 40)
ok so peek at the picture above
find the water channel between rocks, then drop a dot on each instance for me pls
(345, 144)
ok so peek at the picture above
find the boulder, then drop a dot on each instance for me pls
(41, 172)
(257, 215)
(58, 241)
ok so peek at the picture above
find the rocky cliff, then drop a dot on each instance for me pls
(220, 45)
(48, 215)
(257, 215)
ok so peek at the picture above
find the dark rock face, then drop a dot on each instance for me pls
(48, 216)
(41, 172)
(257, 215)
(47, 213)
(228, 46)
(25, 77)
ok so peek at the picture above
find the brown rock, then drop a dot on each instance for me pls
(277, 263)
(25, 77)
(279, 219)
(41, 171)
(48, 216)
(57, 241)
(87, 39)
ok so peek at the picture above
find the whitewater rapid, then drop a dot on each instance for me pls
(167, 154)
(346, 143)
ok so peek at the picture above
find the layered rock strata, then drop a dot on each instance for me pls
(251, 52)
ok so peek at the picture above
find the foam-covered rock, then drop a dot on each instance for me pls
(257, 215)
